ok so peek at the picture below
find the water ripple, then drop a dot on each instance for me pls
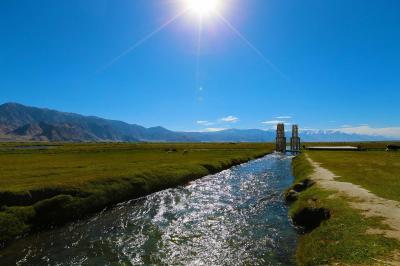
(236, 217)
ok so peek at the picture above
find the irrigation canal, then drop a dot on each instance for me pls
(235, 217)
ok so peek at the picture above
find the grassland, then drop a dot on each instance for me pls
(342, 239)
(379, 172)
(44, 185)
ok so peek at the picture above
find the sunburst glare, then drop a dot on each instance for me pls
(203, 8)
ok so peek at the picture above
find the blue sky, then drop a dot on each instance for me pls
(336, 62)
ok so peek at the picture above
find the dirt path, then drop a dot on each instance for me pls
(364, 200)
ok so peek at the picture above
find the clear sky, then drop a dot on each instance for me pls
(326, 64)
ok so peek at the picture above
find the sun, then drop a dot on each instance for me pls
(203, 8)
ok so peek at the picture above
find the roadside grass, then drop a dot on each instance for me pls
(376, 171)
(342, 239)
(51, 184)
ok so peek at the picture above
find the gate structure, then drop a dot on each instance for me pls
(295, 139)
(280, 138)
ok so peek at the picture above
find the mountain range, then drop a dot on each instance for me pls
(24, 123)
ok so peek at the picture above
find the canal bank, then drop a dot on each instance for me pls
(335, 232)
(237, 216)
(44, 188)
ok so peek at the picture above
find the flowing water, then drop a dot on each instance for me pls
(236, 217)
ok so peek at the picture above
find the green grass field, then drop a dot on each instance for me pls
(379, 172)
(342, 239)
(76, 165)
(46, 185)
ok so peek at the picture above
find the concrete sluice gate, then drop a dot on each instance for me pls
(281, 138)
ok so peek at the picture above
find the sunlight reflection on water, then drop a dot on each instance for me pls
(235, 217)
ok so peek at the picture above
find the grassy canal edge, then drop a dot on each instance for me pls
(24, 211)
(333, 233)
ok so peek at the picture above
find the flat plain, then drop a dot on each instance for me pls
(377, 171)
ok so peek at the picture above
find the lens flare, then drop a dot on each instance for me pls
(203, 8)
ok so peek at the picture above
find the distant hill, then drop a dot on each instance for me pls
(334, 135)
(19, 122)
(33, 123)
